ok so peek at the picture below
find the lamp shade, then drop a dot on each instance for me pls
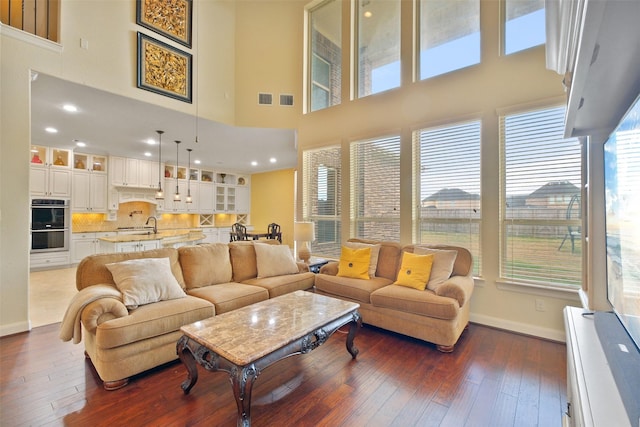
(304, 232)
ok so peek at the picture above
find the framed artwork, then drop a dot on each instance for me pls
(171, 18)
(164, 69)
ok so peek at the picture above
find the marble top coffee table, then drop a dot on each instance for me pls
(245, 341)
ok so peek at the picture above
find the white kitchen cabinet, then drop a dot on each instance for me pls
(89, 192)
(123, 171)
(210, 235)
(225, 199)
(206, 197)
(148, 174)
(243, 199)
(85, 244)
(47, 260)
(50, 172)
(135, 246)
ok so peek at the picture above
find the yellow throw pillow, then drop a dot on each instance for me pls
(414, 271)
(354, 263)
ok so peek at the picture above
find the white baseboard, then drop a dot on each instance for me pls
(15, 328)
(521, 328)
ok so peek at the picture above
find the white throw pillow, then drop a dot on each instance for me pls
(145, 280)
(375, 252)
(443, 260)
(274, 260)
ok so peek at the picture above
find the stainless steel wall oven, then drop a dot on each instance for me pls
(50, 225)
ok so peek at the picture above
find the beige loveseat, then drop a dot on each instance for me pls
(438, 316)
(215, 278)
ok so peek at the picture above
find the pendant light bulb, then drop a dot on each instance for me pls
(189, 199)
(159, 192)
(176, 196)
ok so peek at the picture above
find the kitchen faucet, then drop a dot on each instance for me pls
(155, 223)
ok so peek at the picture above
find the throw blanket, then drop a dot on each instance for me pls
(70, 327)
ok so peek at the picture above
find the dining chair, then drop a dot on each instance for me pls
(238, 232)
(273, 231)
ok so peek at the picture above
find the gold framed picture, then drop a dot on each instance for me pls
(171, 18)
(164, 69)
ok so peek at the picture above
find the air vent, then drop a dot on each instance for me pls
(265, 99)
(286, 100)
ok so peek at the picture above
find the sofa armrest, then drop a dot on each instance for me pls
(100, 311)
(458, 288)
(302, 267)
(331, 268)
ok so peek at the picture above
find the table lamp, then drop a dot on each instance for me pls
(304, 233)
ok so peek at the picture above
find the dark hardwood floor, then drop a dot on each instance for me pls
(494, 378)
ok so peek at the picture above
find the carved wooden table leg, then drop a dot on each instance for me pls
(242, 380)
(187, 359)
(353, 328)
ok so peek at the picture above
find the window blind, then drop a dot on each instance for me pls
(375, 188)
(541, 215)
(322, 197)
(447, 173)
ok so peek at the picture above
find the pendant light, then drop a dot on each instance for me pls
(189, 199)
(176, 197)
(160, 193)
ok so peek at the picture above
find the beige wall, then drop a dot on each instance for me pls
(257, 46)
(479, 92)
(272, 201)
(108, 64)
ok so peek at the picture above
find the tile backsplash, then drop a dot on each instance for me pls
(131, 214)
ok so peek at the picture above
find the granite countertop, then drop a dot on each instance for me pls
(165, 236)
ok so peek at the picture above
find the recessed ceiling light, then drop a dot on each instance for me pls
(80, 143)
(254, 163)
(272, 160)
(147, 154)
(150, 141)
(197, 162)
(368, 14)
(51, 130)
(70, 108)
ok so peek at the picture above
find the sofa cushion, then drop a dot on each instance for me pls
(388, 258)
(274, 260)
(92, 269)
(354, 263)
(414, 271)
(144, 281)
(230, 296)
(424, 303)
(204, 265)
(151, 320)
(443, 261)
(353, 289)
(243, 260)
(375, 252)
(280, 285)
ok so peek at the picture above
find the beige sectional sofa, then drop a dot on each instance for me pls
(438, 316)
(211, 279)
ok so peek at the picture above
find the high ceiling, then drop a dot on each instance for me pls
(120, 126)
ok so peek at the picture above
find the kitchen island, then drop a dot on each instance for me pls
(145, 240)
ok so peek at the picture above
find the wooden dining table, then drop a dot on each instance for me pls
(251, 235)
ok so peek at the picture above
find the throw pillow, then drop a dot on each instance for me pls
(354, 263)
(145, 280)
(274, 260)
(375, 252)
(414, 271)
(443, 260)
(204, 265)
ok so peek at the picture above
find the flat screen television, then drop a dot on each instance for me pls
(622, 201)
(619, 331)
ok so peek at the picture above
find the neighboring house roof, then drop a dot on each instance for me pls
(553, 189)
(451, 194)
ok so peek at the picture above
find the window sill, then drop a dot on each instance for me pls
(551, 291)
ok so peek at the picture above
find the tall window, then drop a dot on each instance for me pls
(541, 233)
(325, 23)
(375, 189)
(524, 25)
(449, 35)
(378, 54)
(321, 198)
(447, 170)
